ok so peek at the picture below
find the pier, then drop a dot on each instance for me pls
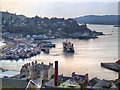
(111, 66)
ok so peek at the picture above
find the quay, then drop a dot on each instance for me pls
(112, 66)
(22, 50)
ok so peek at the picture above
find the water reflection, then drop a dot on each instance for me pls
(68, 55)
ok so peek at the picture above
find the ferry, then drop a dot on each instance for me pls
(68, 47)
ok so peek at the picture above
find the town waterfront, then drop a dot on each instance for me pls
(86, 59)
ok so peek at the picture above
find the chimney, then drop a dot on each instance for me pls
(86, 77)
(118, 80)
(56, 74)
(29, 64)
(119, 75)
(73, 74)
(35, 61)
(51, 70)
(32, 63)
(50, 64)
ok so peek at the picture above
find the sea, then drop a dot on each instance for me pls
(87, 57)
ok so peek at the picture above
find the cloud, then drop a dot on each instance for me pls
(59, 0)
(60, 9)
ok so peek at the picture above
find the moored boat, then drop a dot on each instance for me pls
(46, 50)
(68, 47)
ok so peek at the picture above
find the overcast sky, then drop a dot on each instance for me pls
(60, 8)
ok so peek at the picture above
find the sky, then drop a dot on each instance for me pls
(60, 8)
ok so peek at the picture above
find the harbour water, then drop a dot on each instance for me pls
(86, 59)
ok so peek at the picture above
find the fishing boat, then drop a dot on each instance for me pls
(68, 47)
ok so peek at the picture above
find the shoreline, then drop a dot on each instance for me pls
(8, 44)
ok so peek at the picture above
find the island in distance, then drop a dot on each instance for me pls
(97, 19)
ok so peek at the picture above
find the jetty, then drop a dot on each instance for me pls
(112, 66)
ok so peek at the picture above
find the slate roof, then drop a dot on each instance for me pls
(61, 79)
(79, 78)
(93, 81)
(70, 84)
(103, 84)
(13, 83)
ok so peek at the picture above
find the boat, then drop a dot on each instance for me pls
(87, 37)
(10, 57)
(47, 44)
(45, 50)
(116, 26)
(68, 47)
(50, 45)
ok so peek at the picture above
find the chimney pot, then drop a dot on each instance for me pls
(32, 63)
(35, 61)
(73, 74)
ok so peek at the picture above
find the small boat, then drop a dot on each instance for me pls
(46, 50)
(68, 47)
(47, 44)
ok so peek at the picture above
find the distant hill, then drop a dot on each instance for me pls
(11, 16)
(56, 27)
(95, 19)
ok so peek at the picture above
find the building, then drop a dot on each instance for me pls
(31, 76)
(9, 83)
(36, 70)
(98, 84)
(75, 81)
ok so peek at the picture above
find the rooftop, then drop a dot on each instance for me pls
(8, 73)
(13, 83)
(66, 81)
